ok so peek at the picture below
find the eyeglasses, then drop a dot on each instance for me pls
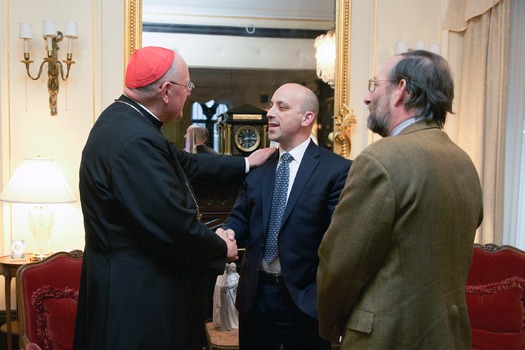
(372, 83)
(190, 86)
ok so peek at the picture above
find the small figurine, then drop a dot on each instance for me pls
(225, 315)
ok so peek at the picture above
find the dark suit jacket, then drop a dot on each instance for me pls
(312, 200)
(395, 260)
(147, 257)
(203, 149)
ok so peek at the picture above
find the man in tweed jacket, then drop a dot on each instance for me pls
(395, 259)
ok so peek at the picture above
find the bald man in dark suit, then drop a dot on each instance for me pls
(277, 295)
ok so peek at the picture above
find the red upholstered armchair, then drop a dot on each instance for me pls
(47, 294)
(496, 296)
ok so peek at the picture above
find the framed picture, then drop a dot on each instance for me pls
(18, 249)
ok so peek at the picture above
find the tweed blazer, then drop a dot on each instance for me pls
(395, 259)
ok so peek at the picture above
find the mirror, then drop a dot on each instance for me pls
(341, 117)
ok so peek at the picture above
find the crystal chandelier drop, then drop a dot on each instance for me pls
(325, 57)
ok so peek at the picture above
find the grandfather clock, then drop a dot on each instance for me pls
(242, 130)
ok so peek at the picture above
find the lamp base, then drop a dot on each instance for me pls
(41, 220)
(39, 256)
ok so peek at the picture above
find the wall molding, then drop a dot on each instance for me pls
(257, 32)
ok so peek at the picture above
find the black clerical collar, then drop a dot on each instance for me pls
(140, 109)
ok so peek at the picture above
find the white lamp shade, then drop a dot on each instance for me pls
(49, 29)
(38, 181)
(71, 30)
(435, 49)
(401, 47)
(26, 31)
(420, 45)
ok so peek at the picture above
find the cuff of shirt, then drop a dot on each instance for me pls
(247, 165)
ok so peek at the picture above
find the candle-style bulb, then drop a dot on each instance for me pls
(71, 32)
(25, 33)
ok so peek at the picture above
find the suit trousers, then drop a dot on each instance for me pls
(275, 320)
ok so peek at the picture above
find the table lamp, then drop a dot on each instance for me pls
(38, 181)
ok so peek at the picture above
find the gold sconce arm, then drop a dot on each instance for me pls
(68, 63)
(27, 62)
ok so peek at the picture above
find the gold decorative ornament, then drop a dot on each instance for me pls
(344, 117)
(343, 123)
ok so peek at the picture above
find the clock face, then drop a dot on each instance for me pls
(247, 138)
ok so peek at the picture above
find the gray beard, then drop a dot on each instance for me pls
(378, 125)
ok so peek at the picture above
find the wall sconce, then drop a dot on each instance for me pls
(401, 47)
(38, 181)
(54, 66)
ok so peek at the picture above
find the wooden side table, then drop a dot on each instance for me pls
(8, 268)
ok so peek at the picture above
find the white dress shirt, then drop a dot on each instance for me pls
(297, 153)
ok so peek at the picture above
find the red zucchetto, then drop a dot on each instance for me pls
(147, 65)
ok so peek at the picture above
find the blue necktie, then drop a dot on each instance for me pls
(280, 192)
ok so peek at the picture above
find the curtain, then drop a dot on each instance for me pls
(484, 24)
(514, 227)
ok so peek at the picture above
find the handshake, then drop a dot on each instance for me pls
(229, 237)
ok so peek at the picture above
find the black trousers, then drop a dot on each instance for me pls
(276, 321)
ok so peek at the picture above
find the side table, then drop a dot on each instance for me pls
(8, 268)
(221, 340)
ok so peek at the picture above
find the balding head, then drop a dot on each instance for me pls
(200, 134)
(291, 117)
(305, 97)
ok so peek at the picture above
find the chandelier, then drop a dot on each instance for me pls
(325, 56)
